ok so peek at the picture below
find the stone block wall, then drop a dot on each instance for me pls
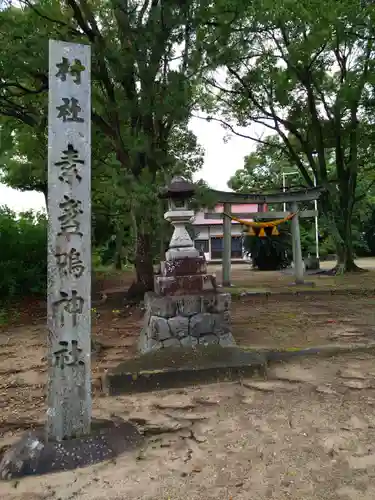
(186, 320)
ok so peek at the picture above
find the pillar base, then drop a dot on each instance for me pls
(186, 321)
(312, 263)
(33, 455)
(186, 310)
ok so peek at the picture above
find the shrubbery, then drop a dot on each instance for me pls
(270, 252)
(23, 254)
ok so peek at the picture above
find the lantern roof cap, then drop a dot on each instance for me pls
(179, 188)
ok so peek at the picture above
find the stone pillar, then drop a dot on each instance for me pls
(227, 250)
(69, 242)
(297, 251)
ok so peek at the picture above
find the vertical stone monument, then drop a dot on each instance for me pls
(68, 441)
(69, 241)
(186, 308)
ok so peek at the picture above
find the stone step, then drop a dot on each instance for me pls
(170, 368)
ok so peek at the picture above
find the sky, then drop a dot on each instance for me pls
(221, 162)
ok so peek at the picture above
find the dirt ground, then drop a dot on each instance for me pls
(294, 321)
(242, 276)
(307, 437)
(308, 432)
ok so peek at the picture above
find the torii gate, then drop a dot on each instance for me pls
(292, 197)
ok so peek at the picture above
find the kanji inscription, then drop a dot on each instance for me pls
(68, 111)
(68, 164)
(70, 263)
(69, 218)
(65, 67)
(68, 354)
(72, 306)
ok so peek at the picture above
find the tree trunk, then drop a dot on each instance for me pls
(340, 227)
(144, 262)
(344, 247)
(118, 261)
(118, 250)
(45, 194)
(143, 267)
(345, 257)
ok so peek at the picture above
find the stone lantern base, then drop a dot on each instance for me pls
(185, 309)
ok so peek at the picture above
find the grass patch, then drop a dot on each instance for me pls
(237, 291)
(110, 270)
(8, 314)
(4, 316)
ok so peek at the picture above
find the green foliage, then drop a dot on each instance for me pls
(23, 262)
(4, 316)
(305, 71)
(145, 72)
(262, 172)
(269, 253)
(203, 198)
(307, 232)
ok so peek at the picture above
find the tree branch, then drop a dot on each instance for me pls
(364, 195)
(24, 89)
(235, 132)
(79, 17)
(29, 4)
(142, 12)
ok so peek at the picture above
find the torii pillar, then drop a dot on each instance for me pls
(297, 250)
(227, 246)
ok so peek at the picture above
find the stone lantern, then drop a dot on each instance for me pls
(186, 309)
(178, 193)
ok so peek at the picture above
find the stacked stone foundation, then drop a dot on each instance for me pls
(186, 320)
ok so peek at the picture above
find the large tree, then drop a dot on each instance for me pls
(145, 68)
(263, 172)
(303, 70)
